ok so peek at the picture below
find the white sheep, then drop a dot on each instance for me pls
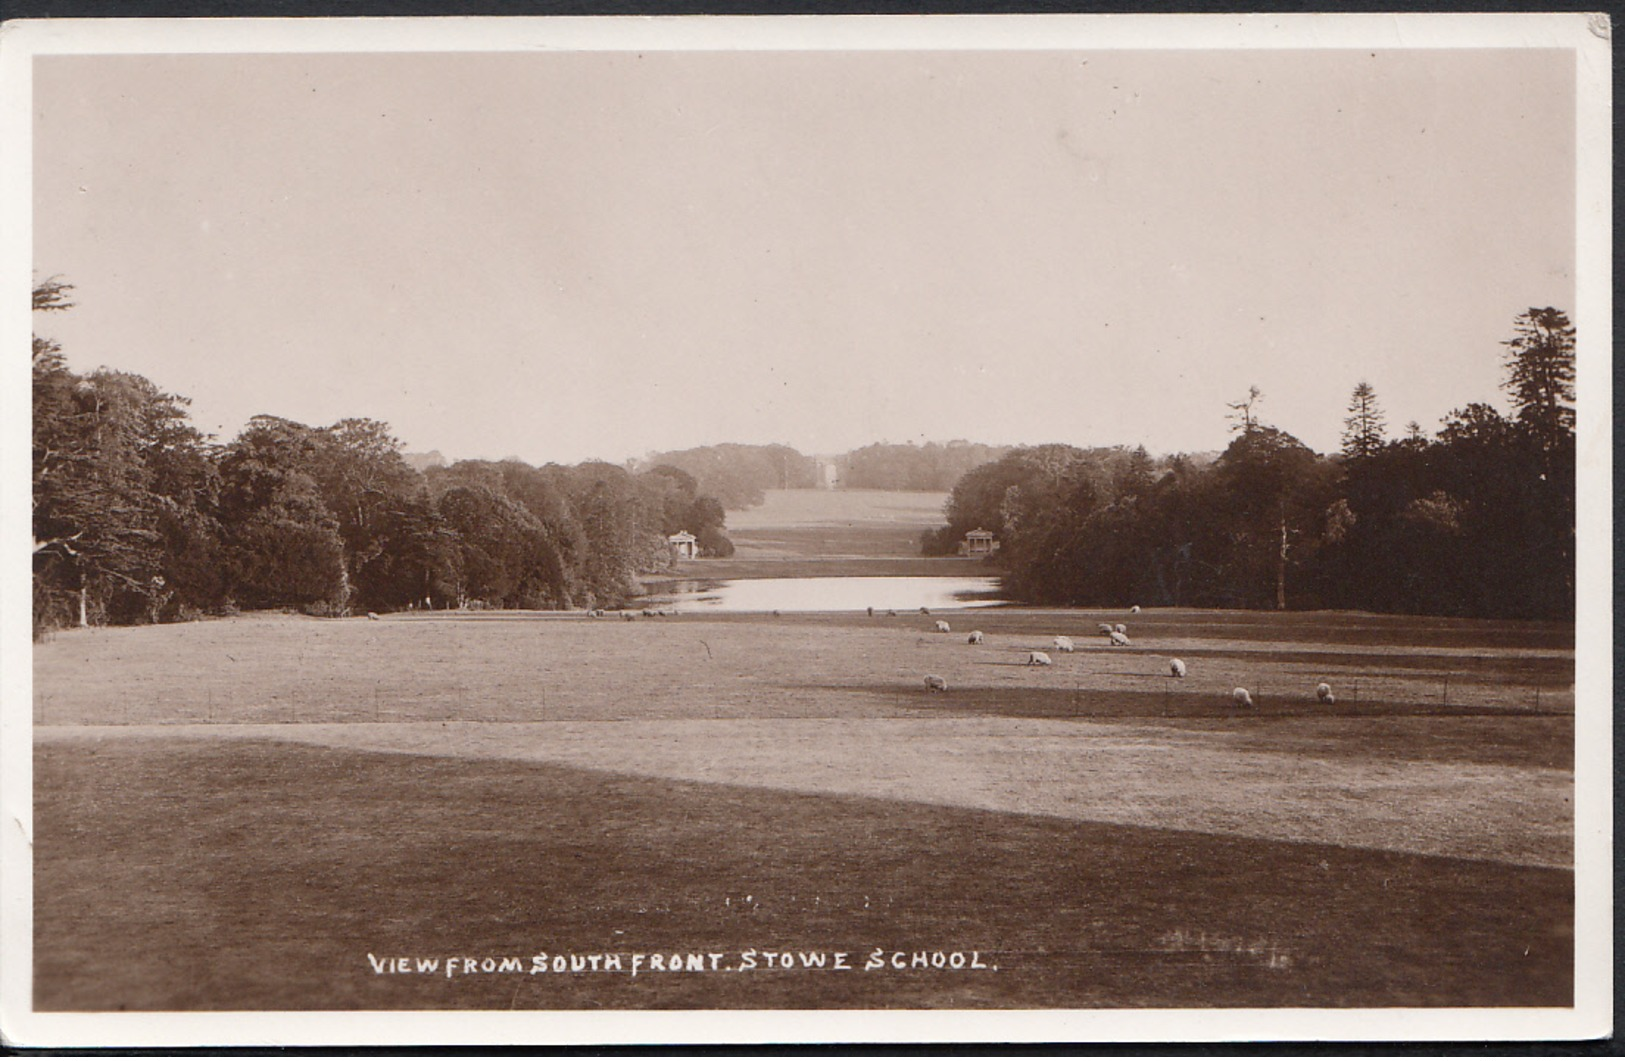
(942, 627)
(372, 615)
(892, 612)
(1119, 629)
(1105, 629)
(1135, 610)
(1064, 644)
(1242, 697)
(1038, 659)
(1119, 638)
(1323, 693)
(975, 637)
(936, 683)
(1176, 667)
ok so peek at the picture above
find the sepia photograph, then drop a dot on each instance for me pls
(599, 531)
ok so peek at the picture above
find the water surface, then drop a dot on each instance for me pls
(844, 593)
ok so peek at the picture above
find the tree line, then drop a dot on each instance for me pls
(740, 475)
(138, 517)
(932, 466)
(1478, 520)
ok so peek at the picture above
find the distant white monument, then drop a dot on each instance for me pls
(683, 546)
(978, 543)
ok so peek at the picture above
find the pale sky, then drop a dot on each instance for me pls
(563, 256)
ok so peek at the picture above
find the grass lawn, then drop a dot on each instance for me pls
(809, 524)
(221, 875)
(236, 814)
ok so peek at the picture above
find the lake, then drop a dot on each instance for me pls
(846, 593)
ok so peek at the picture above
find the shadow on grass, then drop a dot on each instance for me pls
(1093, 703)
(1369, 731)
(202, 875)
(1552, 671)
(1305, 628)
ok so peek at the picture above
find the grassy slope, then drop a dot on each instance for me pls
(220, 875)
(257, 873)
(825, 524)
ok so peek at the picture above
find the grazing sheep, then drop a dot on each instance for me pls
(1105, 629)
(1176, 667)
(1119, 638)
(1242, 697)
(975, 637)
(936, 684)
(924, 610)
(1038, 659)
(1119, 629)
(892, 612)
(1323, 693)
(372, 615)
(942, 627)
(648, 613)
(1064, 644)
(628, 616)
(1135, 610)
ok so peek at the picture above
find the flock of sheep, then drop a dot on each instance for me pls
(1116, 635)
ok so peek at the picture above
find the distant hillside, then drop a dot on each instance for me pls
(935, 466)
(739, 476)
(823, 524)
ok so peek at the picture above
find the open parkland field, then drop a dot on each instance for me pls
(549, 811)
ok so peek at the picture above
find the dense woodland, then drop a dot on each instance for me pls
(138, 517)
(739, 476)
(933, 466)
(1478, 520)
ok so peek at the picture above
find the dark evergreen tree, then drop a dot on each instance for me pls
(1540, 375)
(1364, 427)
